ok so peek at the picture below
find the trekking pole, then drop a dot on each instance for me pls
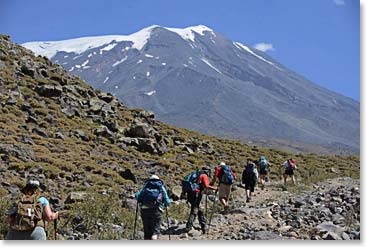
(55, 229)
(168, 230)
(212, 213)
(136, 216)
(206, 205)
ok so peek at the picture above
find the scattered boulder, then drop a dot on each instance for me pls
(40, 132)
(128, 175)
(76, 196)
(19, 151)
(49, 91)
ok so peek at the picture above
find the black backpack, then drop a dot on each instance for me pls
(249, 175)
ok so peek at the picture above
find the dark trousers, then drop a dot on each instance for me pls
(194, 199)
(152, 218)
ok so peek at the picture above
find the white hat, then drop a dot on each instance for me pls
(222, 163)
(154, 177)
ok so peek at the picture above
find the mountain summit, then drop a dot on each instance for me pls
(198, 79)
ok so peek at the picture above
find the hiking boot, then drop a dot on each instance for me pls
(262, 187)
(204, 229)
(248, 199)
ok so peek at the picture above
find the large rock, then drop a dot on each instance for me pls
(141, 130)
(128, 175)
(19, 151)
(76, 196)
(328, 226)
(49, 90)
(267, 235)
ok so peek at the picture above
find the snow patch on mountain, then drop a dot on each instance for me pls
(150, 93)
(189, 32)
(80, 45)
(211, 66)
(120, 61)
(242, 46)
(107, 48)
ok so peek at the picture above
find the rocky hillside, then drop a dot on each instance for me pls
(79, 141)
(198, 79)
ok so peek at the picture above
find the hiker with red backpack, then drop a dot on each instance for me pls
(195, 185)
(289, 170)
(152, 199)
(249, 179)
(226, 177)
(27, 218)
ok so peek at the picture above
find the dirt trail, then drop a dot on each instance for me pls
(254, 214)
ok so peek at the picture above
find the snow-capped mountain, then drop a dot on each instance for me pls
(198, 79)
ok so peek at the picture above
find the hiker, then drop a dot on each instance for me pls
(152, 199)
(249, 178)
(289, 170)
(199, 186)
(226, 178)
(263, 167)
(27, 218)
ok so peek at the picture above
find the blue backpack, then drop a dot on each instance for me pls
(263, 163)
(226, 175)
(189, 184)
(152, 195)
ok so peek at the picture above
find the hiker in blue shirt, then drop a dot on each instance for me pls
(152, 199)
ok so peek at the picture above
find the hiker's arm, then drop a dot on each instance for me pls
(207, 185)
(49, 215)
(166, 199)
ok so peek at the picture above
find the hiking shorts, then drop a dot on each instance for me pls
(224, 190)
(250, 187)
(289, 172)
(264, 172)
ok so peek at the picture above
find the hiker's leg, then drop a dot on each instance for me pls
(18, 235)
(156, 223)
(202, 220)
(293, 180)
(145, 217)
(285, 178)
(222, 194)
(192, 198)
(38, 233)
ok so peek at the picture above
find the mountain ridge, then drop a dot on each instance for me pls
(172, 73)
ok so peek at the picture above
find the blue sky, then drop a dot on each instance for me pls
(318, 39)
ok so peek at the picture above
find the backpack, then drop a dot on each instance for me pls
(250, 174)
(291, 165)
(190, 182)
(28, 213)
(152, 195)
(226, 176)
(263, 163)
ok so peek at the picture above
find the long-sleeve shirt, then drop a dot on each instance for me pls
(165, 199)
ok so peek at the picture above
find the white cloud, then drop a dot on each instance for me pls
(339, 2)
(264, 47)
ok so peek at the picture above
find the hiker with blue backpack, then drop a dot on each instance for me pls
(195, 185)
(226, 177)
(263, 165)
(152, 199)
